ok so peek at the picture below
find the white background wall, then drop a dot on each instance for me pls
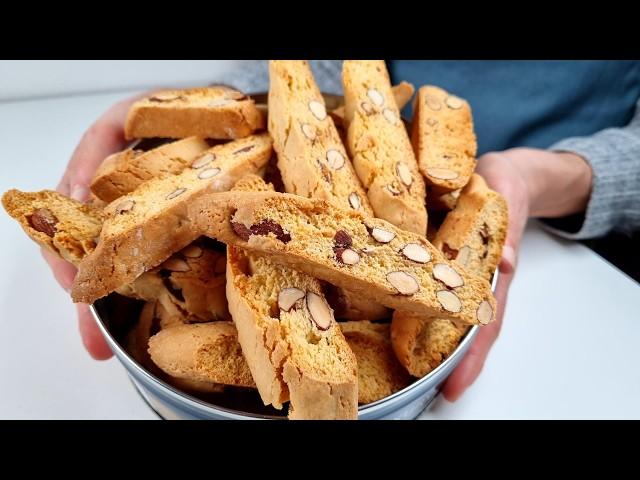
(21, 79)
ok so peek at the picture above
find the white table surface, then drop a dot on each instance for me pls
(568, 349)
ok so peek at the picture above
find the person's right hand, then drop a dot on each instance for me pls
(104, 137)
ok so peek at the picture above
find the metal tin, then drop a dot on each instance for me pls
(171, 403)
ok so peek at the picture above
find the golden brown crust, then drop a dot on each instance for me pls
(64, 226)
(380, 148)
(146, 226)
(443, 138)
(123, 172)
(379, 373)
(213, 112)
(405, 273)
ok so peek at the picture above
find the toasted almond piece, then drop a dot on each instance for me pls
(366, 108)
(442, 173)
(317, 109)
(220, 102)
(320, 312)
(192, 251)
(288, 297)
(390, 116)
(432, 102)
(432, 122)
(375, 96)
(393, 190)
(335, 159)
(125, 206)
(368, 249)
(403, 282)
(449, 301)
(203, 160)
(484, 314)
(163, 97)
(176, 265)
(404, 173)
(381, 235)
(309, 131)
(176, 193)
(349, 256)
(354, 201)
(416, 253)
(447, 275)
(208, 173)
(454, 102)
(464, 255)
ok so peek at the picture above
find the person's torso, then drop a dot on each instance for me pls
(532, 103)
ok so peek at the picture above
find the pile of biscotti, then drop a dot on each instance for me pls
(326, 259)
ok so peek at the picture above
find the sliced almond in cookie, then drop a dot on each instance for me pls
(288, 297)
(447, 275)
(404, 173)
(347, 256)
(354, 201)
(464, 255)
(176, 193)
(319, 310)
(125, 206)
(449, 301)
(433, 102)
(367, 108)
(317, 109)
(203, 160)
(390, 116)
(404, 282)
(393, 190)
(176, 265)
(192, 251)
(208, 173)
(381, 235)
(454, 102)
(164, 97)
(44, 221)
(309, 131)
(484, 314)
(416, 253)
(442, 173)
(335, 159)
(219, 102)
(375, 96)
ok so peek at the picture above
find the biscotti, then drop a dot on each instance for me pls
(290, 339)
(123, 172)
(399, 269)
(288, 335)
(348, 305)
(471, 235)
(474, 232)
(311, 156)
(443, 138)
(146, 226)
(380, 148)
(201, 352)
(379, 373)
(213, 112)
(64, 226)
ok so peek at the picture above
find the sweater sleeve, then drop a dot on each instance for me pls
(614, 156)
(252, 76)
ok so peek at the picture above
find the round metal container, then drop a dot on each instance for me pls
(171, 403)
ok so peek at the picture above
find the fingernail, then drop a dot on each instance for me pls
(80, 193)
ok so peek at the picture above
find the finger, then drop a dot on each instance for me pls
(91, 335)
(63, 271)
(471, 366)
(103, 138)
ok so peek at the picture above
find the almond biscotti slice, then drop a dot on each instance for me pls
(443, 138)
(292, 343)
(379, 373)
(474, 232)
(212, 112)
(348, 305)
(379, 145)
(201, 352)
(123, 172)
(145, 227)
(64, 226)
(311, 157)
(472, 235)
(399, 269)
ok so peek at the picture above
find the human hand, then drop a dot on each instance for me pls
(534, 183)
(104, 137)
